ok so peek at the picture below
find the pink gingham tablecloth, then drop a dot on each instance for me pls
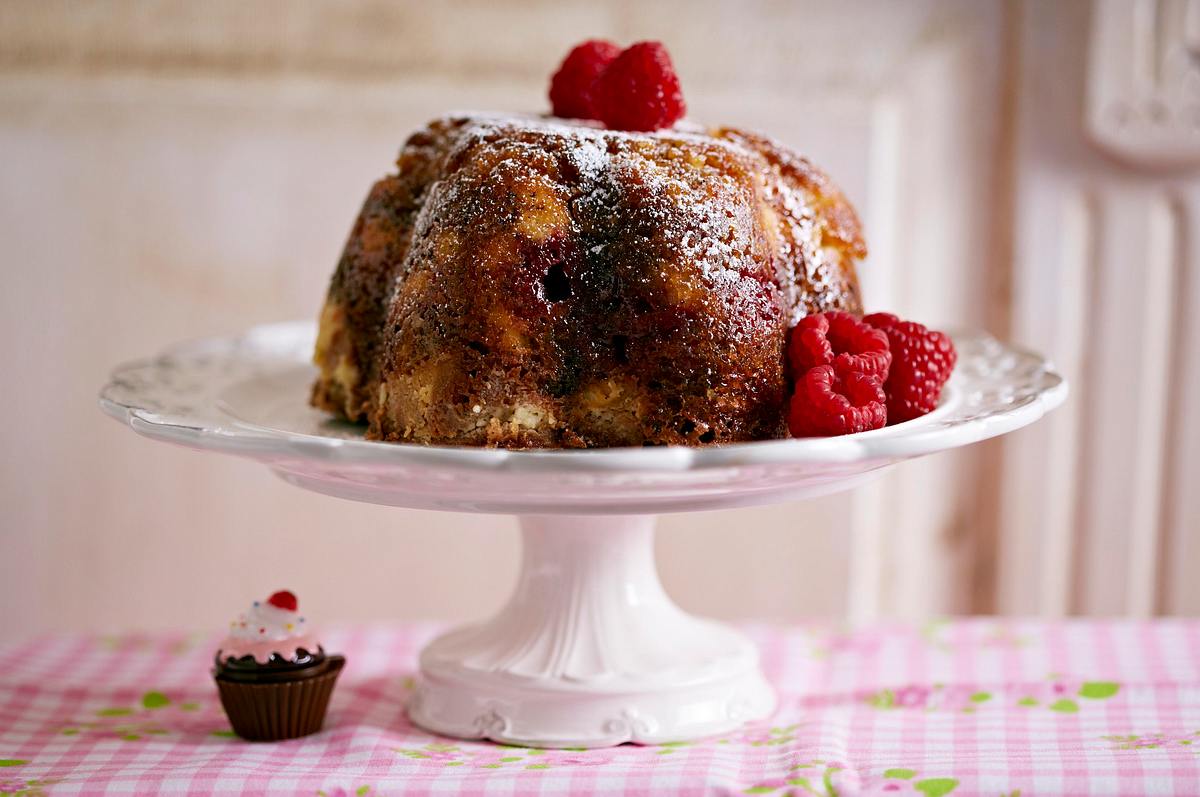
(965, 707)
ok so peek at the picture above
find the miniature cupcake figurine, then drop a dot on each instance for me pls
(274, 677)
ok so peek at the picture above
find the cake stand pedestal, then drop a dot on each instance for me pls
(589, 651)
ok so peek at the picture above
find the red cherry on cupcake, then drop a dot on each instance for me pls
(283, 600)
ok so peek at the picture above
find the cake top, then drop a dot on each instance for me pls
(697, 193)
(586, 128)
(488, 125)
(270, 627)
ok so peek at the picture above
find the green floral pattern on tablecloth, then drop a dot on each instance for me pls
(821, 779)
(26, 788)
(154, 714)
(1056, 694)
(794, 755)
(1155, 741)
(364, 790)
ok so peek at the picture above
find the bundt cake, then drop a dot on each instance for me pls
(535, 282)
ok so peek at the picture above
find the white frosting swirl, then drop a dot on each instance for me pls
(265, 621)
(265, 629)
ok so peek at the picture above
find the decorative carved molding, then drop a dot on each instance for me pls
(492, 725)
(631, 724)
(1095, 518)
(1143, 92)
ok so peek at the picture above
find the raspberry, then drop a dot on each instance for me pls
(639, 90)
(827, 404)
(841, 340)
(922, 360)
(283, 600)
(571, 87)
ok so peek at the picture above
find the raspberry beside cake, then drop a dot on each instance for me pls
(535, 282)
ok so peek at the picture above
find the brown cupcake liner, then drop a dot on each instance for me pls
(271, 712)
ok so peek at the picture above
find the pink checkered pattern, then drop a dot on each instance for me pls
(968, 707)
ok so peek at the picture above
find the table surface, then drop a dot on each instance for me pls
(964, 707)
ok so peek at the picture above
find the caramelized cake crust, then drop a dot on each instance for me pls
(541, 283)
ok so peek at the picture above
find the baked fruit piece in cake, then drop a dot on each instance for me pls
(273, 675)
(531, 282)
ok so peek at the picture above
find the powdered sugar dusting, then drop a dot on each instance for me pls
(586, 129)
(590, 159)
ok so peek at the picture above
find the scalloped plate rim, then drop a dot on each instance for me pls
(913, 438)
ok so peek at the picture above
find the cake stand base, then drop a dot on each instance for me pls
(589, 651)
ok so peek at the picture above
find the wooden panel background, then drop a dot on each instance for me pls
(172, 169)
(1100, 511)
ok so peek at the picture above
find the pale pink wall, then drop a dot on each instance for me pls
(167, 173)
(145, 200)
(134, 218)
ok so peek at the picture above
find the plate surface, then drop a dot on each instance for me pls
(247, 395)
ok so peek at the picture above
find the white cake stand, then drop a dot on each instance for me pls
(589, 651)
